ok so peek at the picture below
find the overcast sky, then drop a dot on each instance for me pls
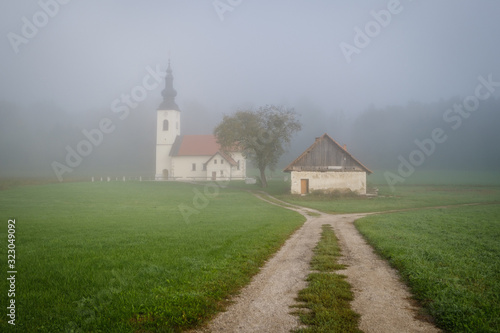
(85, 54)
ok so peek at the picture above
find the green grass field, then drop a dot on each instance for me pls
(158, 256)
(450, 259)
(121, 257)
(407, 197)
(423, 189)
(441, 177)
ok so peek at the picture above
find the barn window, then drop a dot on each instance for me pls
(193, 167)
(204, 167)
(215, 161)
(165, 125)
(221, 161)
(222, 172)
(238, 166)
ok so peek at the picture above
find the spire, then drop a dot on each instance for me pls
(169, 92)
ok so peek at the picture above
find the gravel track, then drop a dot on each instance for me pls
(383, 302)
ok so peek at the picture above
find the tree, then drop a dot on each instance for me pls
(263, 135)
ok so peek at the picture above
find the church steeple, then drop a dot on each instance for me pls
(169, 92)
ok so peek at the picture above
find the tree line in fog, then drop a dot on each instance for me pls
(33, 137)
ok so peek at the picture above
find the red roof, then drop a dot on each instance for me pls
(192, 145)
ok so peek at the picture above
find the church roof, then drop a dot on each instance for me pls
(195, 145)
(199, 145)
(169, 92)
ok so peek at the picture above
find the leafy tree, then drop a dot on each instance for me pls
(263, 135)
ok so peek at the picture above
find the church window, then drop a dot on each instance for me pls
(193, 167)
(165, 125)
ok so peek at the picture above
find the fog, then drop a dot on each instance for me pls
(375, 75)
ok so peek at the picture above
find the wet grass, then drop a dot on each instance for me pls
(450, 260)
(406, 197)
(121, 257)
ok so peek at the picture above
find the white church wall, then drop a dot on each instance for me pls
(183, 167)
(163, 161)
(165, 138)
(242, 172)
(219, 167)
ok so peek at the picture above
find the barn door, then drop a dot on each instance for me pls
(304, 186)
(214, 175)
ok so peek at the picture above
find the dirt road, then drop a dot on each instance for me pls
(379, 297)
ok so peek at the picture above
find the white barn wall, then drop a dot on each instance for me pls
(329, 181)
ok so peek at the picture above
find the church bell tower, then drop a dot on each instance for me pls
(168, 128)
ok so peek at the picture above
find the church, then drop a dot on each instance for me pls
(190, 157)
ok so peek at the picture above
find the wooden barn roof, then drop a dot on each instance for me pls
(325, 137)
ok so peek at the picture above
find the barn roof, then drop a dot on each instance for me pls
(302, 162)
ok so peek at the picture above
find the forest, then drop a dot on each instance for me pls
(33, 137)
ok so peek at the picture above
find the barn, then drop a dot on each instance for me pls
(327, 166)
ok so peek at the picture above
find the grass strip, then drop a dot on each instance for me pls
(325, 303)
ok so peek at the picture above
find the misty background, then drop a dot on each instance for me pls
(64, 77)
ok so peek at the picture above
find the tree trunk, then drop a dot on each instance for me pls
(263, 179)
